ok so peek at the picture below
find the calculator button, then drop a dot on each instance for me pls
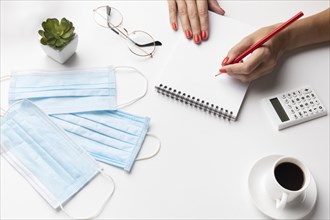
(298, 100)
(283, 96)
(293, 102)
(306, 90)
(286, 101)
(308, 97)
(311, 103)
(290, 106)
(289, 95)
(316, 102)
(295, 116)
(303, 99)
(315, 109)
(310, 111)
(320, 108)
(305, 113)
(294, 94)
(299, 92)
(300, 114)
(296, 108)
(313, 96)
(301, 106)
(293, 111)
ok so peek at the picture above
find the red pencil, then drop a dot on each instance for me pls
(265, 39)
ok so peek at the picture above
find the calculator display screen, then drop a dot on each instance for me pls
(279, 109)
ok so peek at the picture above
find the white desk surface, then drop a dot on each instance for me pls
(202, 169)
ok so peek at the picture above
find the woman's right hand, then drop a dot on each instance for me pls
(312, 30)
(261, 62)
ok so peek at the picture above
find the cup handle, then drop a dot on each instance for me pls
(280, 203)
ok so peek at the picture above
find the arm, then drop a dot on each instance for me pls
(312, 30)
(308, 31)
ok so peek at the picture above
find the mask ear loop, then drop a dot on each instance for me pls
(104, 203)
(146, 86)
(2, 79)
(156, 151)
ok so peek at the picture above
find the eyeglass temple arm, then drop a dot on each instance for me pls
(156, 43)
(108, 19)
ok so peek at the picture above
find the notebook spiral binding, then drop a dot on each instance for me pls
(195, 102)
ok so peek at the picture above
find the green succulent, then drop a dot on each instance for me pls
(56, 34)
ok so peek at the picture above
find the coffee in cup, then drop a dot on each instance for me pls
(287, 179)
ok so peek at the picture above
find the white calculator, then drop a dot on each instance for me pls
(294, 107)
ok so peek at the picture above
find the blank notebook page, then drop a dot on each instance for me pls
(189, 74)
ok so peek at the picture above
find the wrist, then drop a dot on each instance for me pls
(280, 42)
(289, 39)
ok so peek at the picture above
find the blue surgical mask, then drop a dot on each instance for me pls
(112, 137)
(44, 154)
(69, 91)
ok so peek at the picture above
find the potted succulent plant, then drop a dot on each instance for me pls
(58, 39)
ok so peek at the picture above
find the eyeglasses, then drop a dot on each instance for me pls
(139, 42)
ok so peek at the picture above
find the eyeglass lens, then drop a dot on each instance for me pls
(140, 43)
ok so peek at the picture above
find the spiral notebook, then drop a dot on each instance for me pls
(189, 74)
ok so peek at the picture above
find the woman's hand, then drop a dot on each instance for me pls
(312, 30)
(261, 62)
(193, 16)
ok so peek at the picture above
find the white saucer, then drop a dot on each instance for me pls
(297, 209)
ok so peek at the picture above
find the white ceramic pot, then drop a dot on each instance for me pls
(65, 53)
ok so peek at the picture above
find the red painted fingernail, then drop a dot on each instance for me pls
(204, 35)
(188, 33)
(222, 70)
(174, 26)
(223, 11)
(197, 38)
(224, 62)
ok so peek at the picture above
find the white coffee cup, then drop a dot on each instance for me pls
(287, 179)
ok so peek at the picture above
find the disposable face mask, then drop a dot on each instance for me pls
(45, 156)
(69, 91)
(112, 137)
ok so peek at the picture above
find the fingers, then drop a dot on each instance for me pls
(193, 15)
(215, 7)
(203, 18)
(255, 59)
(260, 71)
(184, 19)
(258, 64)
(173, 14)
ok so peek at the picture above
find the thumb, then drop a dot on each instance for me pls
(215, 7)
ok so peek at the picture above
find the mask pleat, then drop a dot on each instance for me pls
(93, 132)
(102, 152)
(120, 121)
(43, 153)
(113, 137)
(74, 104)
(32, 156)
(66, 91)
(63, 93)
(38, 79)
